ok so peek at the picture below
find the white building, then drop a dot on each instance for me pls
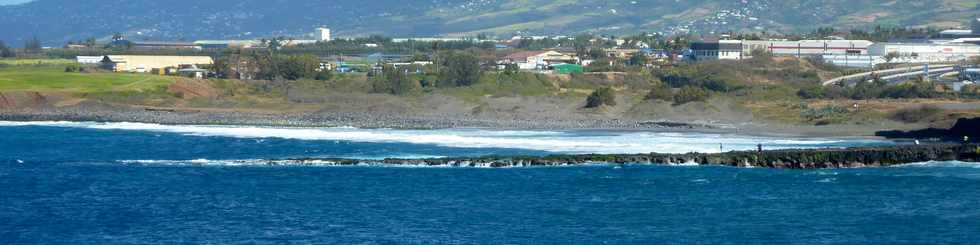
(322, 34)
(89, 59)
(530, 60)
(861, 61)
(223, 44)
(924, 52)
(437, 39)
(717, 50)
(973, 32)
(807, 47)
(148, 63)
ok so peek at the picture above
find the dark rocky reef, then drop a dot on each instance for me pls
(969, 127)
(861, 157)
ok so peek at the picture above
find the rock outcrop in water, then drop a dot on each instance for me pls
(784, 159)
(969, 127)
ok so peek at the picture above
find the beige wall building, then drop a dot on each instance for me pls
(146, 63)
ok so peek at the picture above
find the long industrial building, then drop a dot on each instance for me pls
(905, 53)
(924, 52)
(807, 47)
(740, 49)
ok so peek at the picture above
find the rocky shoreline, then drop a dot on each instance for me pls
(860, 157)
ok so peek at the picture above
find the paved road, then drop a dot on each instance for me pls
(887, 73)
(903, 77)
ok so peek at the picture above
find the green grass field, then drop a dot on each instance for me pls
(34, 62)
(55, 79)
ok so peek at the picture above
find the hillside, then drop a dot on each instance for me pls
(710, 94)
(58, 21)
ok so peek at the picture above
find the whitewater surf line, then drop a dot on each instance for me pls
(558, 142)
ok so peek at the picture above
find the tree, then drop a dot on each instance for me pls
(600, 97)
(419, 57)
(660, 92)
(891, 56)
(596, 53)
(638, 59)
(460, 69)
(33, 45)
(274, 43)
(690, 94)
(395, 81)
(297, 67)
(812, 92)
(5, 51)
(511, 69)
(90, 42)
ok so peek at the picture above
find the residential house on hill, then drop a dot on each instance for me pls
(531, 60)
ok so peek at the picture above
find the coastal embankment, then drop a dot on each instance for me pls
(860, 157)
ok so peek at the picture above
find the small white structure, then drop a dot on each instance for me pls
(89, 59)
(322, 34)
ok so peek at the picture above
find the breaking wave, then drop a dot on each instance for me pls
(562, 142)
(941, 164)
(328, 163)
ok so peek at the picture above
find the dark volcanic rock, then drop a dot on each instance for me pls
(786, 159)
(969, 127)
(966, 127)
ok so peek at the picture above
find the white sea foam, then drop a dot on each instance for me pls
(549, 141)
(941, 164)
(246, 162)
(286, 163)
(827, 180)
(689, 163)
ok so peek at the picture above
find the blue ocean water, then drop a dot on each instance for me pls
(89, 183)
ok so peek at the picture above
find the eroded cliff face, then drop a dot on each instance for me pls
(23, 100)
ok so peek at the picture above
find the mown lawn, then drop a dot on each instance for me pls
(54, 78)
